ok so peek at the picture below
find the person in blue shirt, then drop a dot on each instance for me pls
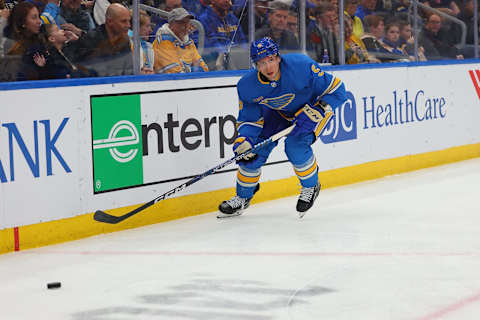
(365, 8)
(222, 30)
(196, 7)
(281, 91)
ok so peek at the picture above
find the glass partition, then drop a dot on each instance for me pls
(53, 39)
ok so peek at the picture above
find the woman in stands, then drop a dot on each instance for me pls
(4, 13)
(23, 27)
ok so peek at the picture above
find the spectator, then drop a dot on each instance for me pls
(322, 36)
(435, 42)
(221, 32)
(384, 7)
(391, 41)
(446, 6)
(107, 47)
(355, 50)
(308, 4)
(401, 8)
(467, 15)
(195, 6)
(168, 6)
(74, 17)
(261, 8)
(48, 9)
(53, 63)
(23, 27)
(407, 42)
(4, 13)
(292, 23)
(277, 27)
(174, 51)
(365, 8)
(406, 36)
(374, 31)
(147, 57)
(350, 7)
(99, 11)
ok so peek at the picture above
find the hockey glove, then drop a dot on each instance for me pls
(312, 119)
(242, 144)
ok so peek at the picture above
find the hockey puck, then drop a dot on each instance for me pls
(54, 285)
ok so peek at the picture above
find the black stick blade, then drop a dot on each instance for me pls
(101, 216)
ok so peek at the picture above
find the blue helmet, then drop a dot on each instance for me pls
(262, 48)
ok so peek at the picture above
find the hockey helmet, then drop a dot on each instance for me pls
(262, 48)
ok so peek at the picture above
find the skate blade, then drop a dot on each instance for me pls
(301, 214)
(222, 215)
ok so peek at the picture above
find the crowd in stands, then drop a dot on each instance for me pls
(55, 39)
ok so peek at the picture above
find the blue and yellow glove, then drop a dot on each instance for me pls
(312, 119)
(242, 144)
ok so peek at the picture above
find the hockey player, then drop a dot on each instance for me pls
(283, 90)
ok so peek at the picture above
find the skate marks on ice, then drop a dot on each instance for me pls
(205, 297)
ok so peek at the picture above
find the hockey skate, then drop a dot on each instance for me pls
(307, 199)
(235, 206)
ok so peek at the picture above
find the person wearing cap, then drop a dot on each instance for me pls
(174, 51)
(106, 49)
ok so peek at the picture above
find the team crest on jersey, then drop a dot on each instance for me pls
(278, 103)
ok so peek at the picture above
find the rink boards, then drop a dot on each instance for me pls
(68, 148)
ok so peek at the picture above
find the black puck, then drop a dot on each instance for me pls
(54, 285)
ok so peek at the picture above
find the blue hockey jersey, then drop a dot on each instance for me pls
(301, 82)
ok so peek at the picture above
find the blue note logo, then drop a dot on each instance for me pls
(344, 125)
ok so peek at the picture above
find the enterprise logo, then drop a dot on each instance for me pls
(114, 141)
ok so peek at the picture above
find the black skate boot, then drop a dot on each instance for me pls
(306, 199)
(235, 206)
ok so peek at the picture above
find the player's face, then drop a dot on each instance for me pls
(269, 67)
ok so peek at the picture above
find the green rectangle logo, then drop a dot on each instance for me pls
(116, 142)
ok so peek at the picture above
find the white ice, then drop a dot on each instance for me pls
(402, 247)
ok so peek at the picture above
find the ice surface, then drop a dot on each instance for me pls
(403, 247)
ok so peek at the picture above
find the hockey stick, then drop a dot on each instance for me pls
(102, 216)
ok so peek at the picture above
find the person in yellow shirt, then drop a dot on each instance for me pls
(350, 7)
(355, 50)
(174, 51)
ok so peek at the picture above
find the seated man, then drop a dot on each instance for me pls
(277, 27)
(174, 51)
(322, 36)
(437, 43)
(107, 48)
(168, 6)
